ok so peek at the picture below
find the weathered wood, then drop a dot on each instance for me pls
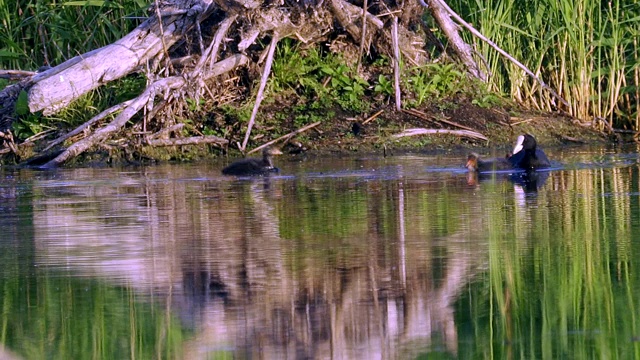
(164, 133)
(450, 30)
(285, 137)
(15, 75)
(160, 86)
(423, 116)
(372, 117)
(396, 62)
(53, 90)
(263, 83)
(87, 124)
(422, 131)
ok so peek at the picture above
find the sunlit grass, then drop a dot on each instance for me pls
(587, 50)
(37, 32)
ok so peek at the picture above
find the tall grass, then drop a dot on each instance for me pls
(585, 49)
(34, 33)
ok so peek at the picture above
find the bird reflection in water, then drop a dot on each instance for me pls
(529, 181)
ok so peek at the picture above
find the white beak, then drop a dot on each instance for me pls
(518, 146)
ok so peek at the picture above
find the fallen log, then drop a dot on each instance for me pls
(86, 72)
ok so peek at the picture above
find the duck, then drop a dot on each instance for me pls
(475, 163)
(527, 155)
(251, 166)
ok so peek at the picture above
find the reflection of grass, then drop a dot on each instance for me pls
(562, 280)
(47, 317)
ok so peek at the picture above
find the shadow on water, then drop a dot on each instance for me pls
(349, 258)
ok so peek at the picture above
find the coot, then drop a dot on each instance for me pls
(526, 154)
(246, 167)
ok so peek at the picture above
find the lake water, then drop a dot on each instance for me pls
(359, 257)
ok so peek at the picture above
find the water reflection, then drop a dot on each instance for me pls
(352, 258)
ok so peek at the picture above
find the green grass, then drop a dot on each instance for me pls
(586, 50)
(37, 32)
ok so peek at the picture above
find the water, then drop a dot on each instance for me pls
(345, 258)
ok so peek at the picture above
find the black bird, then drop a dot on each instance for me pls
(245, 167)
(527, 156)
(474, 163)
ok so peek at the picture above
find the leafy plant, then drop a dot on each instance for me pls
(435, 81)
(384, 86)
(348, 89)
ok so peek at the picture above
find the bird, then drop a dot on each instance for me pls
(527, 156)
(251, 166)
(475, 163)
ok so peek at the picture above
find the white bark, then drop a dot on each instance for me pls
(56, 88)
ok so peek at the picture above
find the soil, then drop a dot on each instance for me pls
(500, 125)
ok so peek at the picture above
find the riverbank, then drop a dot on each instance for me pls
(337, 133)
(378, 130)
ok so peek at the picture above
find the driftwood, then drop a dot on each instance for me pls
(98, 67)
(263, 83)
(16, 74)
(372, 117)
(423, 116)
(87, 124)
(396, 63)
(422, 131)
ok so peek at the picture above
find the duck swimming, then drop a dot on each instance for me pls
(246, 167)
(475, 163)
(527, 156)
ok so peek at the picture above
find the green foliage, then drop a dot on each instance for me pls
(28, 126)
(587, 50)
(22, 103)
(384, 86)
(194, 105)
(39, 32)
(436, 81)
(487, 101)
(306, 72)
(348, 89)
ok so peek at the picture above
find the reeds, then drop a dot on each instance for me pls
(34, 33)
(587, 50)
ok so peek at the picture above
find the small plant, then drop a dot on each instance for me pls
(384, 86)
(435, 81)
(194, 105)
(487, 100)
(346, 88)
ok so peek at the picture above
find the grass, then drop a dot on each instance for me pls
(38, 32)
(586, 49)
